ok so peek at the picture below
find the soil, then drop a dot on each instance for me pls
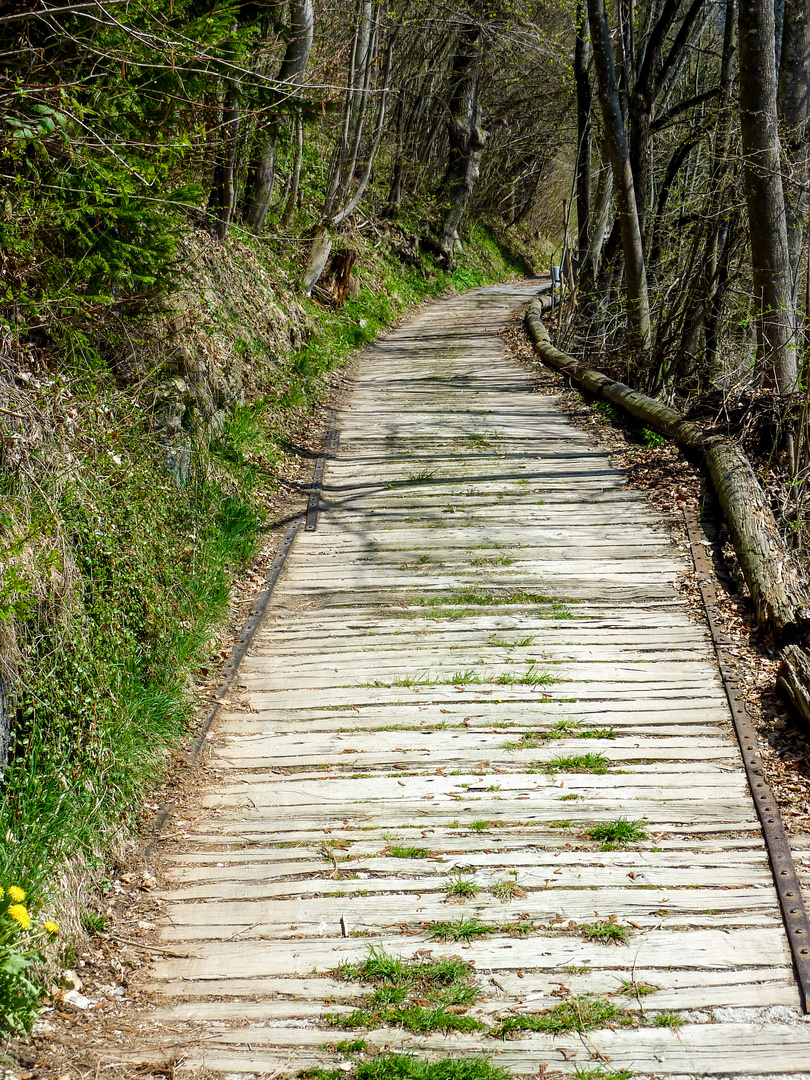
(79, 1043)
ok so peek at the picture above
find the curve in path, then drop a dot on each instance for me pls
(477, 723)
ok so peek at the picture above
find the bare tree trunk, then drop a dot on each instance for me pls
(770, 258)
(295, 179)
(345, 160)
(717, 247)
(396, 186)
(582, 57)
(353, 203)
(261, 176)
(638, 304)
(465, 136)
(600, 218)
(793, 101)
(222, 195)
(655, 72)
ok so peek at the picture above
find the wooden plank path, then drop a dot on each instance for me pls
(485, 613)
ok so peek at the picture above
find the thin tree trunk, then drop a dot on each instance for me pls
(793, 100)
(638, 304)
(465, 136)
(295, 180)
(351, 206)
(221, 198)
(261, 177)
(356, 101)
(600, 220)
(716, 265)
(770, 258)
(582, 56)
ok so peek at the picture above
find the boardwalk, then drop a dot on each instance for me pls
(477, 723)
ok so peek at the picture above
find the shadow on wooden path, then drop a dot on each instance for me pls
(478, 723)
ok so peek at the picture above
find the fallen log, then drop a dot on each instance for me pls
(777, 590)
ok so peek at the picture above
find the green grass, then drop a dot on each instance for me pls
(574, 763)
(480, 826)
(619, 833)
(462, 930)
(608, 931)
(420, 995)
(636, 989)
(390, 1066)
(506, 643)
(528, 678)
(479, 598)
(507, 890)
(579, 1014)
(668, 1019)
(93, 922)
(104, 697)
(399, 852)
(461, 888)
(351, 1046)
(564, 729)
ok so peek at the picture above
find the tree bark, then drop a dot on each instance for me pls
(295, 179)
(223, 189)
(600, 219)
(638, 304)
(465, 136)
(261, 175)
(717, 248)
(582, 56)
(770, 258)
(793, 102)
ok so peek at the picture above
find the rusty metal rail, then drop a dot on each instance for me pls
(788, 890)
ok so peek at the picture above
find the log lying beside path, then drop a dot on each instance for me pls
(777, 590)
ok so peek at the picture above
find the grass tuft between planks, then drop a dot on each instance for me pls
(390, 1066)
(420, 995)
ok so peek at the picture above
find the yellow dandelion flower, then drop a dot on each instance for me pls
(20, 915)
(51, 928)
(15, 894)
(2, 892)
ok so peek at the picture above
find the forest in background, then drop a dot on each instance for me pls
(206, 205)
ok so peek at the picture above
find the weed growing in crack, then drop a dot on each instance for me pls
(507, 890)
(608, 931)
(581, 1014)
(399, 852)
(461, 888)
(574, 763)
(469, 929)
(601, 1074)
(668, 1019)
(636, 989)
(619, 833)
(420, 995)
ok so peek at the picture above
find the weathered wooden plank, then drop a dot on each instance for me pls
(745, 1050)
(710, 949)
